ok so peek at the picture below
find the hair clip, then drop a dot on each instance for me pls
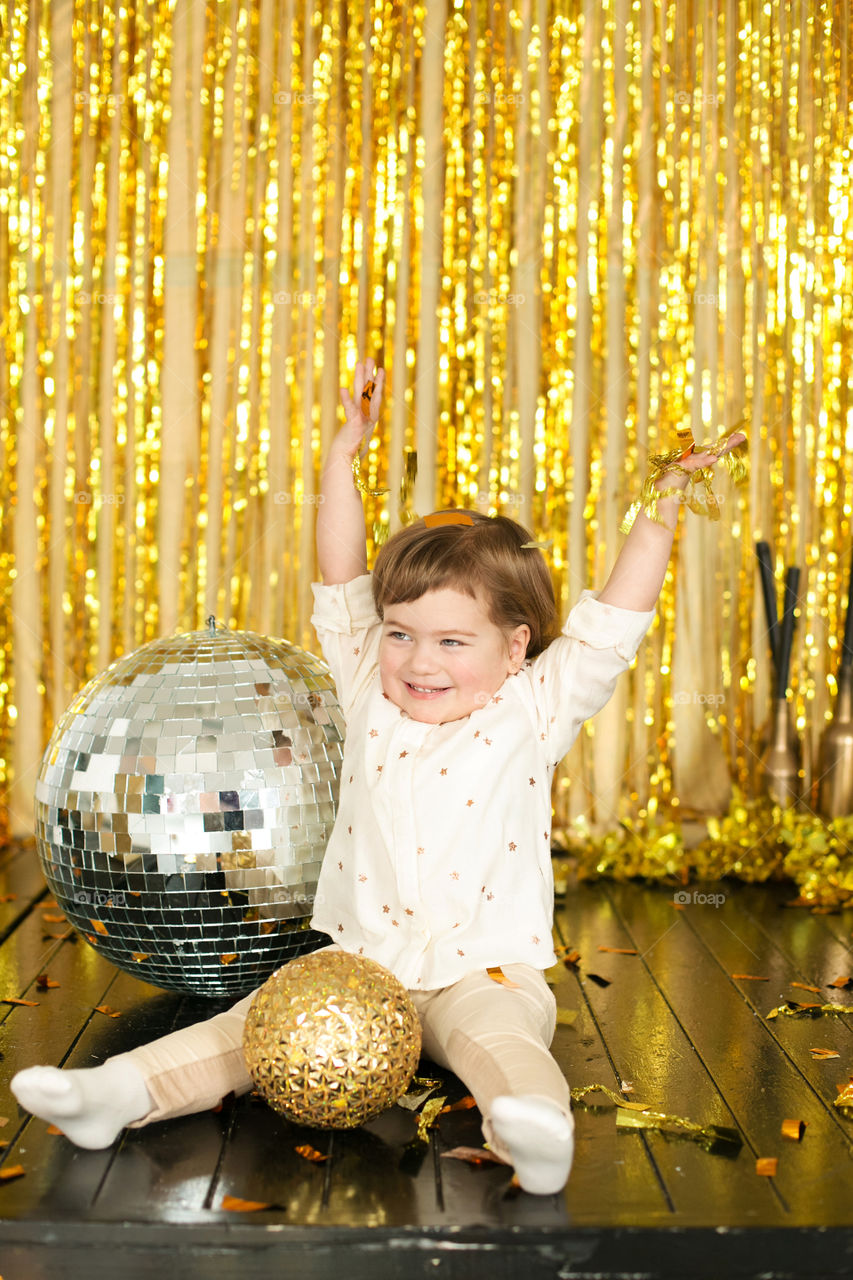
(439, 518)
(536, 546)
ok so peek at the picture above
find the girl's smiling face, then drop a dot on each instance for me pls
(441, 657)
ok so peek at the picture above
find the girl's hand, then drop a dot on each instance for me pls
(361, 407)
(694, 461)
(676, 478)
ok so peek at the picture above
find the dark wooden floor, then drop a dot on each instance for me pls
(673, 1021)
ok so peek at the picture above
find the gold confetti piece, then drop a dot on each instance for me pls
(619, 951)
(497, 975)
(765, 1166)
(235, 1205)
(427, 1118)
(105, 1008)
(803, 986)
(97, 925)
(464, 1104)
(844, 1101)
(14, 1171)
(626, 1086)
(566, 1017)
(473, 1155)
(824, 1053)
(43, 982)
(30, 1004)
(793, 1009)
(579, 1094)
(228, 957)
(793, 1129)
(748, 977)
(310, 1153)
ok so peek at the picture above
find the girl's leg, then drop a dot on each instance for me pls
(496, 1039)
(187, 1071)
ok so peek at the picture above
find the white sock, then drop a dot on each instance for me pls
(539, 1138)
(91, 1106)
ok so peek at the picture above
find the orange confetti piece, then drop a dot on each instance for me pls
(97, 925)
(819, 1054)
(765, 1166)
(8, 897)
(31, 1004)
(497, 975)
(748, 977)
(228, 957)
(841, 983)
(464, 1104)
(803, 986)
(310, 1153)
(139, 956)
(793, 1129)
(14, 1171)
(105, 1008)
(473, 1155)
(235, 1205)
(619, 951)
(54, 1131)
(267, 926)
(43, 982)
(46, 919)
(4, 1120)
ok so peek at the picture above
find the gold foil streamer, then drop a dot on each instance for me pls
(669, 464)
(196, 205)
(332, 1039)
(638, 1115)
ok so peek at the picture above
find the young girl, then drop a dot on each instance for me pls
(460, 702)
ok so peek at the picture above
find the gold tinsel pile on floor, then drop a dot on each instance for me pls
(756, 840)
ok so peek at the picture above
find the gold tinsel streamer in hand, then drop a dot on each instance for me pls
(661, 464)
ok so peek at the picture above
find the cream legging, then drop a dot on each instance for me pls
(494, 1037)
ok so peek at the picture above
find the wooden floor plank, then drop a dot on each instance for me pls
(650, 1048)
(724, 1020)
(602, 1156)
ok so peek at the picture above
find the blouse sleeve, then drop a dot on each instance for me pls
(577, 673)
(348, 628)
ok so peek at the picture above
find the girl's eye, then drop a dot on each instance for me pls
(396, 635)
(449, 641)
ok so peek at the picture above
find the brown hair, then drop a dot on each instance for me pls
(484, 558)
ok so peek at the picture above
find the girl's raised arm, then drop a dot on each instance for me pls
(341, 542)
(639, 571)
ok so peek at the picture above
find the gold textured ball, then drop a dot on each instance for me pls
(332, 1039)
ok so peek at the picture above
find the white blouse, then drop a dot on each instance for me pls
(439, 862)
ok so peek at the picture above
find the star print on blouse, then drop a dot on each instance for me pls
(374, 733)
(403, 754)
(468, 804)
(443, 773)
(512, 846)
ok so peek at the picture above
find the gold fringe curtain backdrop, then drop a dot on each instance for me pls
(568, 227)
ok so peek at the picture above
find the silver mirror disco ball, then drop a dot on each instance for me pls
(183, 807)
